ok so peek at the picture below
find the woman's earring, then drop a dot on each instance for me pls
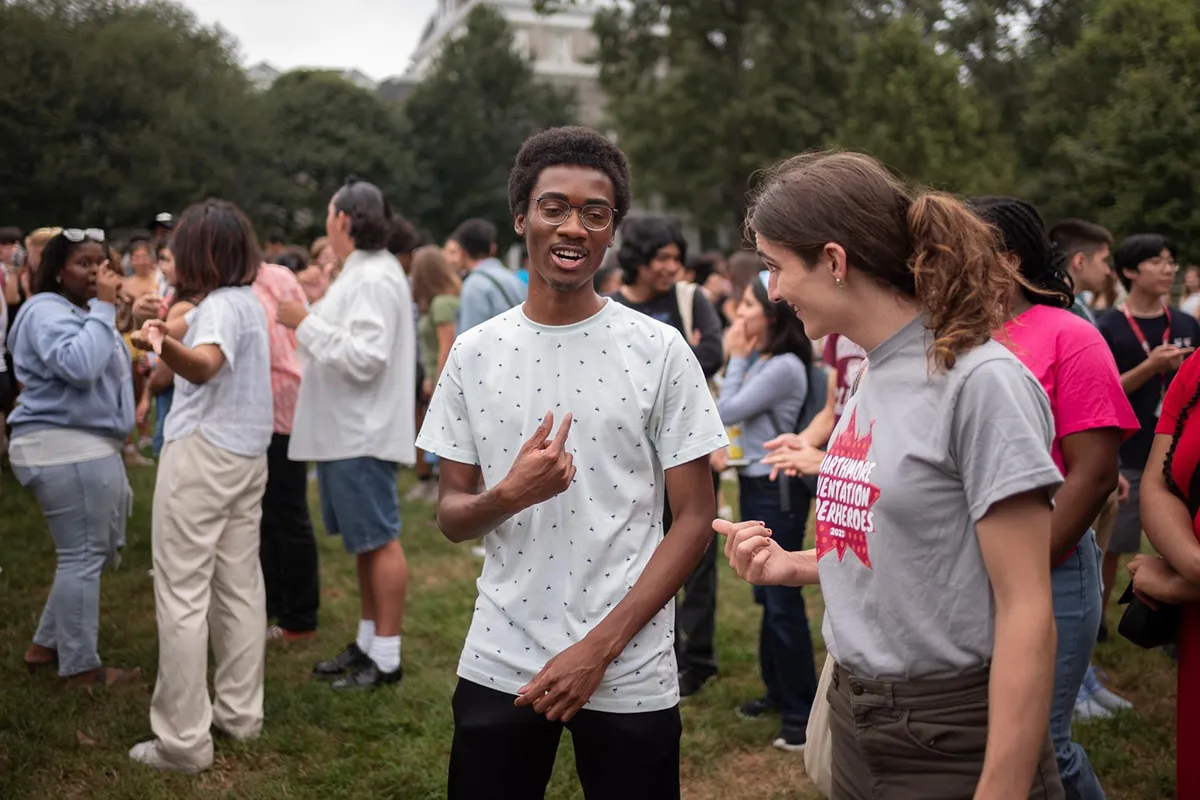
(841, 284)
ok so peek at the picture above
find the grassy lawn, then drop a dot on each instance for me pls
(62, 743)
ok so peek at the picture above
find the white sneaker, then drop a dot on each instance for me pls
(1107, 698)
(1088, 710)
(147, 753)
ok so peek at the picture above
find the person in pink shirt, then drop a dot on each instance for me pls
(1091, 413)
(289, 548)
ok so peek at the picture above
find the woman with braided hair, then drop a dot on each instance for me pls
(1070, 359)
(1171, 518)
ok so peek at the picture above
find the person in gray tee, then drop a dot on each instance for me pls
(932, 506)
(489, 288)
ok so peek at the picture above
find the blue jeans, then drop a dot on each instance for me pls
(162, 405)
(785, 649)
(86, 506)
(1077, 610)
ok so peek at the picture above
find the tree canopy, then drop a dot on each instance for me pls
(465, 122)
(113, 110)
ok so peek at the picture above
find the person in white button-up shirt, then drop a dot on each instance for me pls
(355, 418)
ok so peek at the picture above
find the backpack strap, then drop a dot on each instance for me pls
(685, 298)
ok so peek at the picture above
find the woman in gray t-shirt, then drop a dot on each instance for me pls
(933, 502)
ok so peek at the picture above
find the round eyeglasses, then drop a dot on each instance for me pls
(555, 211)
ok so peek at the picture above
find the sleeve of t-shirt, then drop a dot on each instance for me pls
(1001, 434)
(743, 398)
(685, 425)
(1179, 395)
(1089, 390)
(446, 431)
(444, 309)
(214, 322)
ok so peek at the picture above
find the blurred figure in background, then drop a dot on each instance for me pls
(355, 417)
(289, 549)
(76, 409)
(489, 288)
(651, 258)
(435, 290)
(208, 496)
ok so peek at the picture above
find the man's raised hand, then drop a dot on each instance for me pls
(543, 467)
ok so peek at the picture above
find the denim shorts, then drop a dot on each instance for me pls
(359, 502)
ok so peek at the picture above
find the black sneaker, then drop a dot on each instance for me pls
(791, 738)
(757, 709)
(368, 677)
(691, 682)
(346, 661)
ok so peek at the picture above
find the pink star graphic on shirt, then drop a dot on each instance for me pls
(845, 495)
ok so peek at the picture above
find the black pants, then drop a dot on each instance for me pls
(503, 752)
(785, 649)
(289, 548)
(696, 614)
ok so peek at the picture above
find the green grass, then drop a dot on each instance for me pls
(65, 743)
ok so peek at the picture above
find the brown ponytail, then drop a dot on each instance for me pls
(929, 247)
(960, 277)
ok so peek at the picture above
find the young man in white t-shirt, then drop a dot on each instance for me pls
(578, 414)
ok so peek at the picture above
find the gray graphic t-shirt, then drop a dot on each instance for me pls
(918, 457)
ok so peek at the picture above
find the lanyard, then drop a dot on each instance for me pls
(1137, 329)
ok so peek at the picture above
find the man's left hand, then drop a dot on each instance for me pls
(290, 314)
(566, 683)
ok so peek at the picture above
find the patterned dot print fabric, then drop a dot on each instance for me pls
(552, 572)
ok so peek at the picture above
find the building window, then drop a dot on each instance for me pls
(521, 42)
(560, 48)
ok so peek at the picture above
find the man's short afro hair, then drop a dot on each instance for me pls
(574, 146)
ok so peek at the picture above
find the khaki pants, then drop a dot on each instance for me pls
(207, 507)
(917, 740)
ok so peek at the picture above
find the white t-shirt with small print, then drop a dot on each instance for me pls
(552, 572)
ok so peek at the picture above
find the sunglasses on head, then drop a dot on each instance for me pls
(79, 234)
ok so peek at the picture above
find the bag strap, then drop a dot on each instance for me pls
(685, 298)
(498, 285)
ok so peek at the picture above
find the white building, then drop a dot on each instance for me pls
(262, 75)
(560, 45)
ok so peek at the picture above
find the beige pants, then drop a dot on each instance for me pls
(207, 507)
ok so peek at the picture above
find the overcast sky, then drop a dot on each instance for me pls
(375, 36)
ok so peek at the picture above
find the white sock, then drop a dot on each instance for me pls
(385, 652)
(366, 634)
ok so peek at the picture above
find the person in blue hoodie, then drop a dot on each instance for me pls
(74, 413)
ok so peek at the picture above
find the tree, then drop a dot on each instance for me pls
(1112, 131)
(705, 92)
(906, 105)
(112, 110)
(465, 122)
(324, 129)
